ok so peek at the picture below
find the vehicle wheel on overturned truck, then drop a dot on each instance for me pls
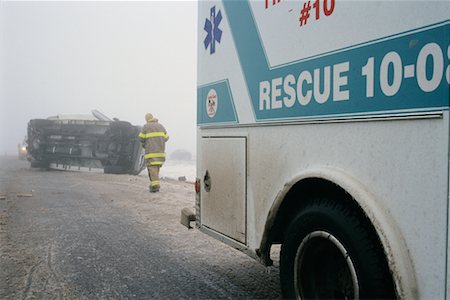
(332, 251)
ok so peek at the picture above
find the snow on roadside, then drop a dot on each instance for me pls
(174, 169)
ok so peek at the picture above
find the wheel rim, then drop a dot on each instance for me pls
(323, 269)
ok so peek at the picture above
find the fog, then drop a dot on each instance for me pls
(122, 58)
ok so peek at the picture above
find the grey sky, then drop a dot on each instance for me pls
(122, 58)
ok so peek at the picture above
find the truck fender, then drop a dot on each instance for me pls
(393, 242)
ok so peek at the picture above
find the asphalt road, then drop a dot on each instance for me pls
(67, 235)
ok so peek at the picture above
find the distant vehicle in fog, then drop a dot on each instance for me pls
(22, 150)
(93, 143)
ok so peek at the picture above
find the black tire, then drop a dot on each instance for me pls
(331, 251)
(122, 128)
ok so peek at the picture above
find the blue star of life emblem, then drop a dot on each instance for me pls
(213, 32)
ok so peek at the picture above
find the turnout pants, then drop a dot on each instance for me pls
(153, 174)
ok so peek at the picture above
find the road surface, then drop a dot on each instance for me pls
(68, 235)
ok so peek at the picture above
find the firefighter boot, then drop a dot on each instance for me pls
(154, 189)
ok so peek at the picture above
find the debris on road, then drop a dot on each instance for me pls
(24, 195)
(2, 197)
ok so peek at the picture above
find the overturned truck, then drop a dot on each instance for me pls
(92, 143)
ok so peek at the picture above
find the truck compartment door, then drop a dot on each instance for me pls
(223, 200)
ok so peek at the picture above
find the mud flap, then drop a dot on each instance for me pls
(187, 216)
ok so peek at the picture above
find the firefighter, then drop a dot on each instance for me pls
(153, 138)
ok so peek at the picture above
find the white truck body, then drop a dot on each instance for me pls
(356, 94)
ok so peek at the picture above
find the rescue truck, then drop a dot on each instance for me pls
(323, 126)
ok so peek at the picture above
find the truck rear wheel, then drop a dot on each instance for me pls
(332, 252)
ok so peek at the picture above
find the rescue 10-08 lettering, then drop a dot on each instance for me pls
(316, 85)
